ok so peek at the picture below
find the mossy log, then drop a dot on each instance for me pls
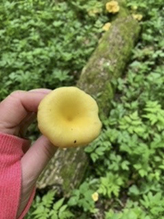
(68, 167)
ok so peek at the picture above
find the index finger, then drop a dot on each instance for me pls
(18, 104)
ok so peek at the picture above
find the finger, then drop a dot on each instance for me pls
(30, 118)
(17, 106)
(36, 158)
(40, 90)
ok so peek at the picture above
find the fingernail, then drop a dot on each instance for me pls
(41, 90)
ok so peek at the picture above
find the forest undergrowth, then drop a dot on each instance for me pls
(46, 44)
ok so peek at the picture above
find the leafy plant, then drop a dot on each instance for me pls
(155, 114)
(46, 208)
(110, 184)
(131, 212)
(46, 43)
(82, 198)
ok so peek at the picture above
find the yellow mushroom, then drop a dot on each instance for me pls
(68, 117)
(106, 26)
(112, 7)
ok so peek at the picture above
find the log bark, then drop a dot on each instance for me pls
(68, 167)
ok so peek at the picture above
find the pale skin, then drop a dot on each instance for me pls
(19, 110)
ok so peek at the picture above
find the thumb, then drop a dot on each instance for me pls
(36, 158)
(32, 164)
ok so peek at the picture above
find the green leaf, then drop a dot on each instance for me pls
(58, 204)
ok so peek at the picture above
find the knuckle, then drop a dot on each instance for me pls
(16, 93)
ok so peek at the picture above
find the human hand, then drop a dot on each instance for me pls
(17, 112)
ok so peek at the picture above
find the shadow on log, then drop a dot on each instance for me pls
(68, 167)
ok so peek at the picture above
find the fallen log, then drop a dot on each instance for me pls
(68, 167)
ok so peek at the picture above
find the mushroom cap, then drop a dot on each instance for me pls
(68, 117)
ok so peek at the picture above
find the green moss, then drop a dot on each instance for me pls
(104, 99)
(65, 174)
(75, 165)
(109, 60)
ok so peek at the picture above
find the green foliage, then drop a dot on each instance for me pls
(47, 208)
(130, 212)
(152, 207)
(128, 155)
(110, 184)
(99, 146)
(46, 43)
(155, 115)
(82, 198)
(154, 204)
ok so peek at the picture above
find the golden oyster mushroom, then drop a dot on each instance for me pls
(68, 117)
